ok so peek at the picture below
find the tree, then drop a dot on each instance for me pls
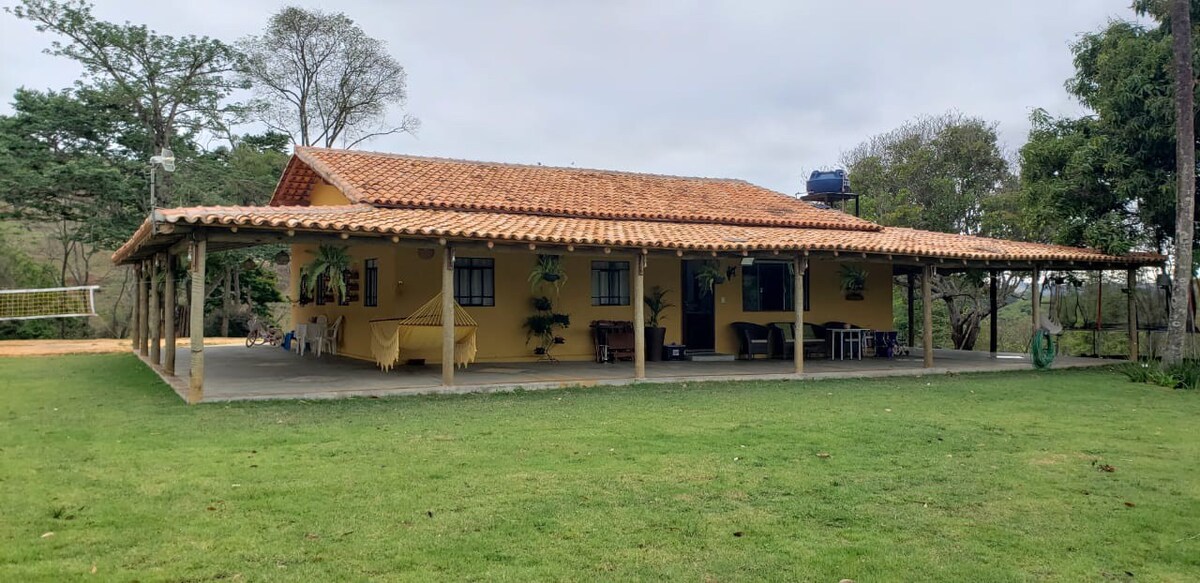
(1185, 180)
(1106, 179)
(943, 173)
(322, 80)
(172, 85)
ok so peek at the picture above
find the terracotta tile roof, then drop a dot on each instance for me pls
(414, 182)
(479, 225)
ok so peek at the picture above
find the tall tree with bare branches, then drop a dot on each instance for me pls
(320, 78)
(172, 85)
(1185, 179)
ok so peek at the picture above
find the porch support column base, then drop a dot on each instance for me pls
(927, 312)
(448, 315)
(196, 321)
(168, 268)
(155, 311)
(135, 324)
(993, 315)
(1132, 323)
(799, 266)
(639, 316)
(144, 309)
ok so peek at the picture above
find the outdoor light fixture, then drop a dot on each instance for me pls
(166, 159)
(747, 261)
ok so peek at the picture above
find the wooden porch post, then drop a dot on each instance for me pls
(993, 317)
(196, 317)
(155, 314)
(639, 316)
(135, 324)
(448, 315)
(799, 265)
(927, 311)
(168, 270)
(144, 311)
(1036, 299)
(912, 320)
(1131, 279)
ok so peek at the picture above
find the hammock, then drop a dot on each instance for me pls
(422, 331)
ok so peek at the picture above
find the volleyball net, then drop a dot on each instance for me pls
(52, 302)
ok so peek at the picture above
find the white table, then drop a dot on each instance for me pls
(840, 337)
(309, 332)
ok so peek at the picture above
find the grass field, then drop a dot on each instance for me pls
(970, 478)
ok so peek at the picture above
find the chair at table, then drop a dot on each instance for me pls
(753, 339)
(783, 339)
(815, 342)
(329, 341)
(886, 344)
(620, 341)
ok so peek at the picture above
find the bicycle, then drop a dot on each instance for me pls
(262, 334)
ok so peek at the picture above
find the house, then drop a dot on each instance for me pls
(418, 227)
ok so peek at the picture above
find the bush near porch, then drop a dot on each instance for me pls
(956, 478)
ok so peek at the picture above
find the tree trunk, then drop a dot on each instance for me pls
(225, 305)
(1185, 180)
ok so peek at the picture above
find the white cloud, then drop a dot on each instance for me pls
(754, 90)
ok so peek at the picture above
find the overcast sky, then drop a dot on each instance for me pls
(757, 90)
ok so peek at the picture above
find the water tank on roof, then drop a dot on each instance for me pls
(828, 182)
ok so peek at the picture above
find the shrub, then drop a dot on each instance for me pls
(1185, 375)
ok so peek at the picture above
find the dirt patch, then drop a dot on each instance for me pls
(86, 346)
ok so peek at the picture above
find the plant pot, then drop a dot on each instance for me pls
(654, 343)
(539, 351)
(550, 277)
(560, 340)
(854, 296)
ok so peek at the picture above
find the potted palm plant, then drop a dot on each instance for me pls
(854, 281)
(656, 303)
(331, 261)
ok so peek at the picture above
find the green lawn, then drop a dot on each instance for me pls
(963, 478)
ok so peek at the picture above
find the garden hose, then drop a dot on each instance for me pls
(1042, 349)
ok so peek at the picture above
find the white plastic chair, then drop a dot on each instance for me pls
(329, 340)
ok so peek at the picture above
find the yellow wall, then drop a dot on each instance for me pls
(323, 194)
(826, 303)
(406, 281)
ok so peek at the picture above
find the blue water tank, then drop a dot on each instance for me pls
(828, 181)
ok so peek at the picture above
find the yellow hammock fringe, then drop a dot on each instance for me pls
(423, 331)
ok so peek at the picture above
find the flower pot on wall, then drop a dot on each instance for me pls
(854, 296)
(654, 343)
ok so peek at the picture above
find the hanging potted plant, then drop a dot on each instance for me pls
(333, 262)
(656, 303)
(548, 269)
(710, 275)
(854, 281)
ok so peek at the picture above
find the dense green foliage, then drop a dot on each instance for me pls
(950, 478)
(1106, 179)
(946, 174)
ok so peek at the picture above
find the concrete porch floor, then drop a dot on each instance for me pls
(235, 373)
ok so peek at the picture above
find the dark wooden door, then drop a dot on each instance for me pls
(699, 309)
